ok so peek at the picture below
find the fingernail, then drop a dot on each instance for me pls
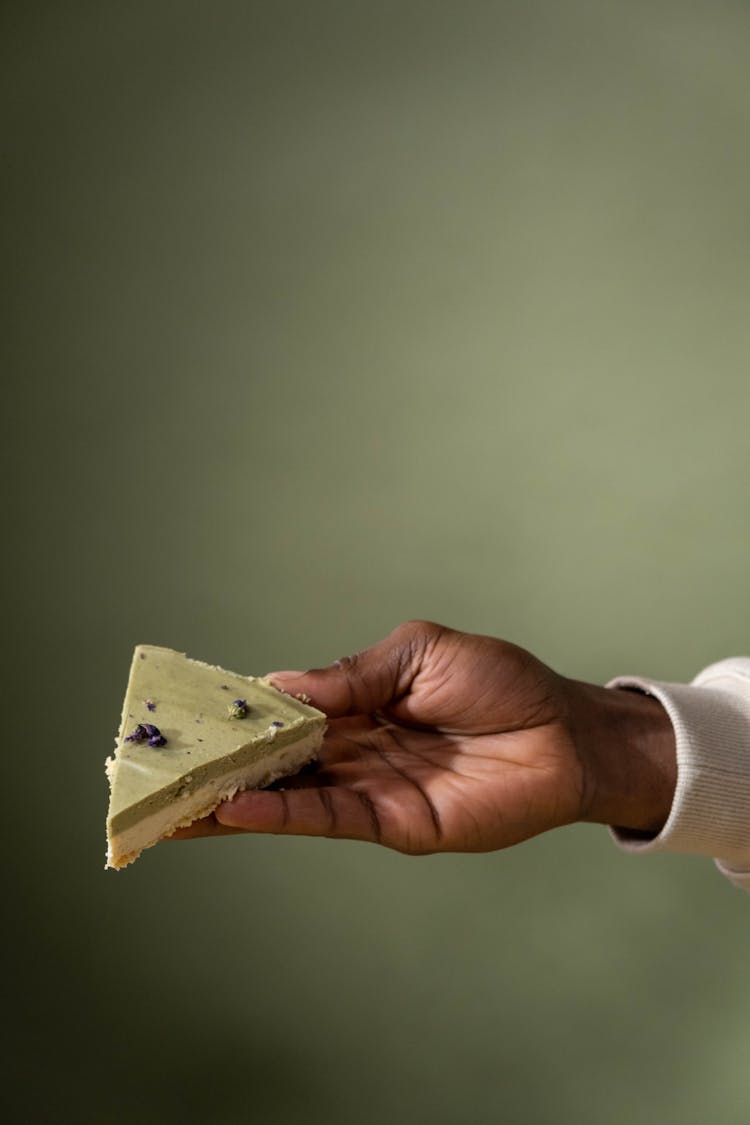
(283, 681)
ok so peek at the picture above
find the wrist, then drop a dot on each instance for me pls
(626, 744)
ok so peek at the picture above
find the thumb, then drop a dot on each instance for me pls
(368, 681)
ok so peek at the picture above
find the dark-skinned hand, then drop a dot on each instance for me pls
(447, 741)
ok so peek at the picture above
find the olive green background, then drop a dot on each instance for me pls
(319, 316)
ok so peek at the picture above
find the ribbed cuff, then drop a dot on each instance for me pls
(710, 812)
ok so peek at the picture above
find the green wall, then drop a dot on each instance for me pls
(319, 316)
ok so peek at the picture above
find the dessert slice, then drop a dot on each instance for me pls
(191, 736)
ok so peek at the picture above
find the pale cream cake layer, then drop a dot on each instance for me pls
(212, 749)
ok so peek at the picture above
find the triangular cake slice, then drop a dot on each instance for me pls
(190, 737)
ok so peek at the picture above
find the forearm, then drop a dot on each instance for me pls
(667, 765)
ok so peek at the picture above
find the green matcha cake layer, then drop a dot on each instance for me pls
(190, 735)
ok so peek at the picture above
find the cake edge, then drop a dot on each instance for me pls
(124, 849)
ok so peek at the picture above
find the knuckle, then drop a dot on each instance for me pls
(418, 628)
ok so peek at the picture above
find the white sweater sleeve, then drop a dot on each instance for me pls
(710, 812)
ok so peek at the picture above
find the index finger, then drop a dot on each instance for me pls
(369, 680)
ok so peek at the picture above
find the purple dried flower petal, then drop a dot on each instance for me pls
(140, 734)
(150, 705)
(276, 723)
(147, 732)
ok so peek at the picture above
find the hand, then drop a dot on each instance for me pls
(446, 741)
